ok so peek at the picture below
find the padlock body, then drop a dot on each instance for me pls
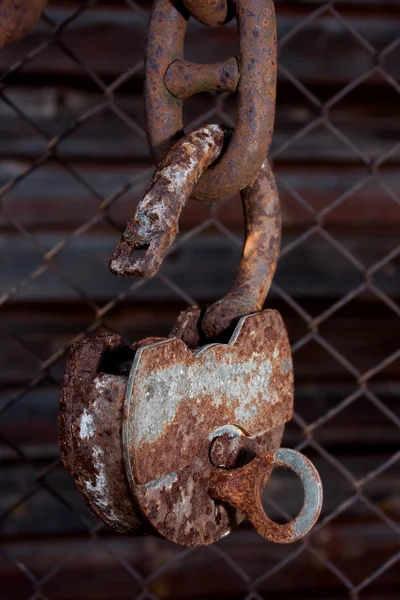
(137, 439)
(177, 400)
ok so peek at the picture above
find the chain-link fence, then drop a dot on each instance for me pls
(73, 165)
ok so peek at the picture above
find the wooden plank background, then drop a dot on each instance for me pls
(47, 300)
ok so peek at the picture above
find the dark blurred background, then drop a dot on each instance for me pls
(73, 164)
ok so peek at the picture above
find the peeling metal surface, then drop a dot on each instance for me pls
(155, 223)
(175, 397)
(256, 90)
(190, 478)
(178, 436)
(179, 506)
(90, 421)
(187, 327)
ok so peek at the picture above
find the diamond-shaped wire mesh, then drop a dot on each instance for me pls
(73, 165)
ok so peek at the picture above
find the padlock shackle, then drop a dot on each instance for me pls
(259, 258)
(154, 226)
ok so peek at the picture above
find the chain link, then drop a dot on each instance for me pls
(169, 79)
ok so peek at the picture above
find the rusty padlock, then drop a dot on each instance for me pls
(178, 436)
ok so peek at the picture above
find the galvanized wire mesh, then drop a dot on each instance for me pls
(169, 569)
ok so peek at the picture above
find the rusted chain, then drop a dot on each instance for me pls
(183, 78)
(259, 257)
(252, 135)
(155, 226)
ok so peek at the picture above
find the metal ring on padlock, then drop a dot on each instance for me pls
(241, 488)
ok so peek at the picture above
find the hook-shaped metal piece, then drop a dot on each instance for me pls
(155, 226)
(241, 488)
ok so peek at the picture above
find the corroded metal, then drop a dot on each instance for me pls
(17, 17)
(211, 12)
(259, 256)
(241, 489)
(177, 436)
(169, 493)
(90, 420)
(201, 432)
(229, 452)
(179, 505)
(175, 397)
(184, 78)
(252, 135)
(155, 226)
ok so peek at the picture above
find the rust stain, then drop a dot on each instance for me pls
(259, 256)
(176, 398)
(177, 436)
(241, 489)
(155, 225)
(90, 422)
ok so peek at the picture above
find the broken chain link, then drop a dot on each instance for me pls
(155, 226)
(210, 163)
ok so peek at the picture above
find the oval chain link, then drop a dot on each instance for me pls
(169, 79)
